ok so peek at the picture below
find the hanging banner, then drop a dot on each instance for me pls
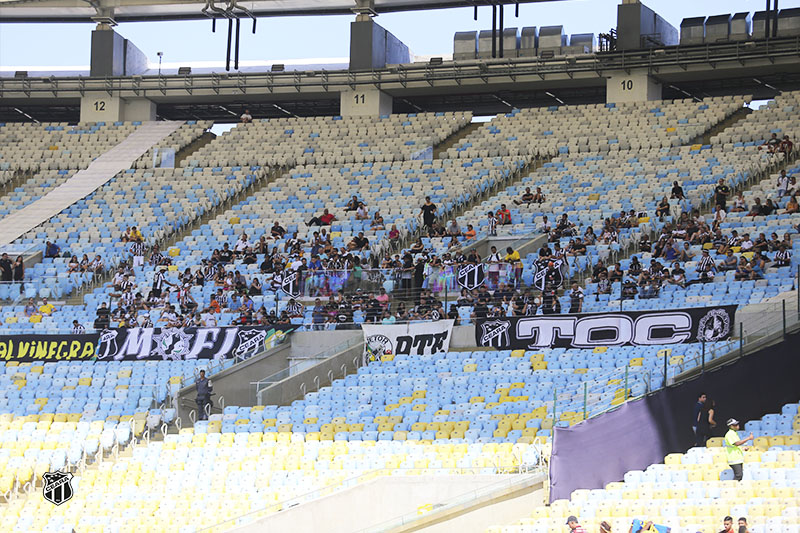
(633, 328)
(31, 348)
(185, 343)
(139, 344)
(423, 338)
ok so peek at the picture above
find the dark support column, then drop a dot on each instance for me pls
(373, 47)
(114, 55)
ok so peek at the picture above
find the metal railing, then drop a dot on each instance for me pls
(257, 388)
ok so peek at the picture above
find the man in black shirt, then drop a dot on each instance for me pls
(359, 242)
(526, 199)
(103, 317)
(721, 193)
(277, 231)
(226, 255)
(5, 268)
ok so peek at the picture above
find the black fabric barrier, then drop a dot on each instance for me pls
(140, 344)
(639, 433)
(629, 328)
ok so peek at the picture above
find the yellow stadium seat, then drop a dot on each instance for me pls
(539, 365)
(636, 361)
(472, 367)
(517, 353)
(418, 394)
(174, 252)
(387, 357)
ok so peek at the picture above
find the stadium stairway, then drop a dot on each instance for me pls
(84, 182)
(440, 152)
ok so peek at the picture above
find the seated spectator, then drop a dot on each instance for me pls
(686, 253)
(663, 208)
(644, 243)
(277, 231)
(651, 289)
(325, 219)
(792, 189)
(739, 205)
(545, 227)
(677, 192)
(786, 145)
(768, 208)
(453, 230)
(226, 254)
(603, 283)
(361, 212)
(97, 265)
(758, 266)
(51, 249)
(30, 308)
(616, 274)
(246, 117)
(743, 270)
(783, 257)
(792, 206)
(719, 217)
(746, 244)
(589, 238)
(598, 268)
(538, 196)
(470, 233)
(394, 234)
(47, 308)
(377, 221)
(564, 228)
(629, 290)
(677, 276)
(783, 183)
(417, 247)
(503, 215)
(729, 263)
(772, 144)
(352, 204)
(756, 209)
(527, 197)
(359, 242)
(578, 247)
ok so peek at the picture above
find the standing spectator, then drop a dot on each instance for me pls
(159, 280)
(783, 184)
(698, 413)
(733, 448)
(574, 526)
(6, 271)
(204, 391)
(138, 249)
(77, 328)
(727, 525)
(721, 193)
(513, 258)
(325, 219)
(246, 117)
(428, 211)
(19, 269)
(492, 223)
(743, 524)
(51, 249)
(576, 299)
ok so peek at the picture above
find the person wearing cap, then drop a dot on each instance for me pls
(733, 448)
(574, 526)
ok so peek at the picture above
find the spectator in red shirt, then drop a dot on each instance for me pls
(503, 215)
(573, 524)
(325, 219)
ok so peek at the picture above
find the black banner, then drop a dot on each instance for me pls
(31, 348)
(632, 328)
(141, 344)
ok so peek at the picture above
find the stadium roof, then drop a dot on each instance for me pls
(141, 10)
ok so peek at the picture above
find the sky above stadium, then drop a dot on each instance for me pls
(427, 33)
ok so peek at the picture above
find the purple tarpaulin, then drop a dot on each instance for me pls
(587, 455)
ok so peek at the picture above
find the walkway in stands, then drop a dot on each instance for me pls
(85, 182)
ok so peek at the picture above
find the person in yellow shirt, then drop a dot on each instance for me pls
(46, 308)
(512, 257)
(733, 448)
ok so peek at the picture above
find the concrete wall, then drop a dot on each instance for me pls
(375, 502)
(286, 391)
(234, 383)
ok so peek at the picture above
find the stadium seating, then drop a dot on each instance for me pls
(695, 490)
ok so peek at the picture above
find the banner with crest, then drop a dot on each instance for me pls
(142, 344)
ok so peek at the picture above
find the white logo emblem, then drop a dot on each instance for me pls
(495, 333)
(715, 325)
(250, 340)
(172, 343)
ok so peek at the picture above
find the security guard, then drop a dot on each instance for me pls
(733, 448)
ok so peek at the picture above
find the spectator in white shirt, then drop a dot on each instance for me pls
(783, 184)
(246, 117)
(242, 244)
